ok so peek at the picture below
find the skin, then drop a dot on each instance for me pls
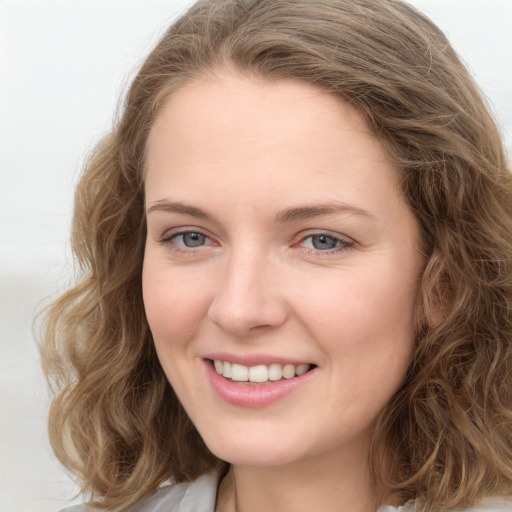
(245, 150)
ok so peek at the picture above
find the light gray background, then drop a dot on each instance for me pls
(63, 65)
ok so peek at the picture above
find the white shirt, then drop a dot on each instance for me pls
(200, 495)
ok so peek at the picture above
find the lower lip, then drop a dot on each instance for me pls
(254, 396)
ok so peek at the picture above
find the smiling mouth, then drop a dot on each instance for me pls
(259, 374)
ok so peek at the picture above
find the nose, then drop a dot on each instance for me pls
(248, 299)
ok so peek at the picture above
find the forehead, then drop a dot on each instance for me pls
(248, 136)
(240, 104)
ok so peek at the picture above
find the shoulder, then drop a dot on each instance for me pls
(497, 504)
(493, 505)
(196, 496)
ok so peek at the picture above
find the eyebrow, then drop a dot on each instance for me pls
(308, 212)
(292, 214)
(175, 207)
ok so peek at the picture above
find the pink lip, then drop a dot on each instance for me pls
(257, 396)
(252, 359)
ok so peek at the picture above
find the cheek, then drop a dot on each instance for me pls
(173, 311)
(366, 332)
(380, 301)
(364, 318)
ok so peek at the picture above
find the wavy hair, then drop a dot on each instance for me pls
(115, 421)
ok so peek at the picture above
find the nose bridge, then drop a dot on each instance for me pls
(248, 297)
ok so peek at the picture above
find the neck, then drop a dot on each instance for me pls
(329, 484)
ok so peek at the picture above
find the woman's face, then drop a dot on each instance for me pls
(278, 243)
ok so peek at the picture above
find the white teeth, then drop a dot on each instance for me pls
(239, 372)
(226, 370)
(301, 369)
(259, 373)
(275, 372)
(289, 371)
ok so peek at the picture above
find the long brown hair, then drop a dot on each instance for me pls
(115, 421)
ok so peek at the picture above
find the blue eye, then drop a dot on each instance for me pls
(191, 239)
(325, 243)
(185, 240)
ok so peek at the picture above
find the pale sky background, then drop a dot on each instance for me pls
(63, 66)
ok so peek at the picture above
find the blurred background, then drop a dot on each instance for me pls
(63, 67)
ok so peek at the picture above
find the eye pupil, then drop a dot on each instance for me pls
(193, 239)
(322, 242)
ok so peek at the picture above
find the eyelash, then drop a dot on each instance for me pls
(168, 240)
(343, 243)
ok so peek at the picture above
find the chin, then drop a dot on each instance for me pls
(252, 450)
(253, 457)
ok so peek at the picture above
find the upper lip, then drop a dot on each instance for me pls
(253, 359)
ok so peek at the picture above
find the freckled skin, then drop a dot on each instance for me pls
(243, 150)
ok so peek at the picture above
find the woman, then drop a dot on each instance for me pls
(296, 256)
